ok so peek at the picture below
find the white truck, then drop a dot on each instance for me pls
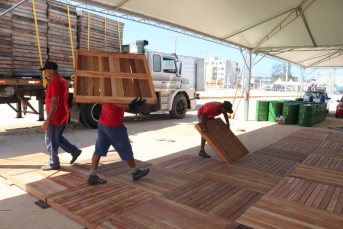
(176, 79)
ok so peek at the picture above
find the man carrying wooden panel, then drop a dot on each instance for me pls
(111, 131)
(207, 112)
(56, 101)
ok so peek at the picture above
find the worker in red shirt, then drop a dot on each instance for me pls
(207, 112)
(56, 101)
(111, 131)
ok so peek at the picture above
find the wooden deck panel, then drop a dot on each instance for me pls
(274, 212)
(282, 154)
(324, 162)
(99, 203)
(164, 213)
(159, 180)
(321, 175)
(310, 193)
(328, 152)
(221, 199)
(291, 146)
(336, 135)
(332, 144)
(248, 178)
(235, 225)
(111, 165)
(314, 131)
(305, 141)
(310, 135)
(267, 164)
(222, 140)
(194, 165)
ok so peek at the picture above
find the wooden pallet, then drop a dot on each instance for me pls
(310, 193)
(252, 179)
(159, 180)
(164, 213)
(108, 77)
(222, 140)
(274, 212)
(291, 146)
(111, 165)
(221, 199)
(194, 165)
(267, 164)
(282, 154)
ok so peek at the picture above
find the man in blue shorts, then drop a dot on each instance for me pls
(111, 131)
(207, 112)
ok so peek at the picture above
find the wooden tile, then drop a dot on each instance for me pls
(159, 180)
(310, 193)
(98, 203)
(306, 141)
(310, 135)
(282, 154)
(325, 176)
(274, 212)
(332, 144)
(99, 68)
(324, 162)
(252, 179)
(192, 165)
(336, 135)
(291, 146)
(221, 199)
(164, 213)
(221, 139)
(328, 152)
(111, 165)
(315, 131)
(267, 164)
(235, 225)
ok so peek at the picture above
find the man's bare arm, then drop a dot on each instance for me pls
(52, 110)
(227, 120)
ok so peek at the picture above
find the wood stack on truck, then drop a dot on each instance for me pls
(174, 92)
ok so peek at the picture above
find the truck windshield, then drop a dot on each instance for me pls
(315, 94)
(169, 65)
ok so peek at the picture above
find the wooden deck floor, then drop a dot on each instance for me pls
(296, 182)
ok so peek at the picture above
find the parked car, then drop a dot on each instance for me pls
(316, 97)
(339, 108)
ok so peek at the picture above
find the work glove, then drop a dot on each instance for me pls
(136, 103)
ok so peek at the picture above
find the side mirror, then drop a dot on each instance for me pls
(179, 69)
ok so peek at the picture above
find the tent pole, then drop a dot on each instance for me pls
(302, 70)
(247, 86)
(286, 77)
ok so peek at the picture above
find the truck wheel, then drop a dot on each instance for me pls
(179, 107)
(90, 115)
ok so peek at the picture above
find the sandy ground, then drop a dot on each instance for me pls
(25, 136)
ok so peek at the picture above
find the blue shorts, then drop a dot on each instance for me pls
(115, 136)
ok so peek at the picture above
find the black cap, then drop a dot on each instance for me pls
(49, 65)
(227, 106)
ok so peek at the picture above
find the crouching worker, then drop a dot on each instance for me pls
(111, 131)
(207, 112)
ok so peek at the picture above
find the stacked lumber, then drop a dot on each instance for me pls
(59, 47)
(6, 56)
(24, 40)
(99, 38)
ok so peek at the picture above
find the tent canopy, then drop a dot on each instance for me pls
(308, 33)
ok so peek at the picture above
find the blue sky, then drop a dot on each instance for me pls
(189, 46)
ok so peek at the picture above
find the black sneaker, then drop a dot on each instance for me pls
(139, 174)
(75, 157)
(93, 180)
(203, 154)
(50, 167)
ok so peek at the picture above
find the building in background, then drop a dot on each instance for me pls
(224, 71)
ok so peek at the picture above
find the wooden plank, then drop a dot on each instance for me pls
(122, 67)
(252, 179)
(325, 176)
(222, 140)
(273, 212)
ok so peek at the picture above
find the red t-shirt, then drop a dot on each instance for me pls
(58, 87)
(111, 115)
(212, 109)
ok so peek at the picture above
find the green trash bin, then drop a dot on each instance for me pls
(262, 110)
(290, 113)
(306, 115)
(275, 109)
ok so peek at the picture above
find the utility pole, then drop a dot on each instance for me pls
(205, 62)
(175, 42)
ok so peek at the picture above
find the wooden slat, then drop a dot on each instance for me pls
(192, 165)
(273, 212)
(158, 181)
(325, 176)
(222, 140)
(252, 179)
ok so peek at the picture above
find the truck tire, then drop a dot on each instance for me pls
(90, 115)
(179, 107)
